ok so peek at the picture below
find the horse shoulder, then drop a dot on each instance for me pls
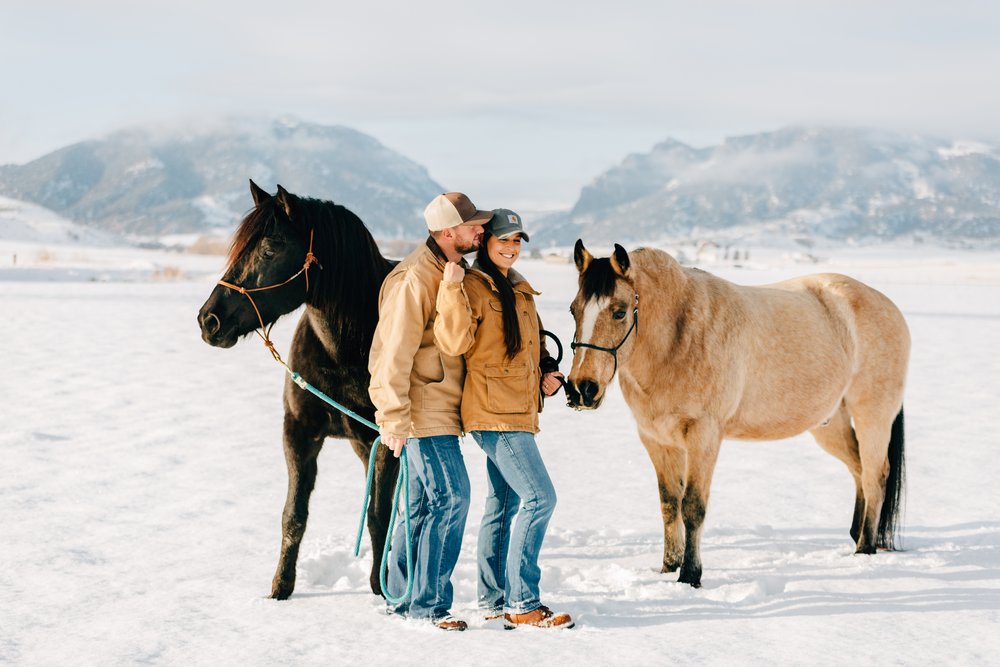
(689, 359)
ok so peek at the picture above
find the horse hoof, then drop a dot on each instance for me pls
(281, 591)
(865, 549)
(691, 577)
(667, 569)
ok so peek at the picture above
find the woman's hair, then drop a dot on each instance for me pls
(508, 302)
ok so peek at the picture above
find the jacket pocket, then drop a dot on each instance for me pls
(444, 392)
(436, 397)
(507, 388)
(428, 366)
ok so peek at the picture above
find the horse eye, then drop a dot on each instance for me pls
(269, 253)
(619, 314)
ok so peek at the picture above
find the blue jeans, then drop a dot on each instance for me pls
(439, 504)
(508, 559)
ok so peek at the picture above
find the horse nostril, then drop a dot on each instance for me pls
(210, 324)
(588, 390)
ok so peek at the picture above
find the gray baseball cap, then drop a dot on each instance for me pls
(505, 223)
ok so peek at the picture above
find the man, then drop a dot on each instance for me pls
(417, 392)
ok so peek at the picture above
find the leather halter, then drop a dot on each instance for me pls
(265, 336)
(613, 350)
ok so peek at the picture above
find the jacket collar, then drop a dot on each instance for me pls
(517, 281)
(440, 258)
(436, 249)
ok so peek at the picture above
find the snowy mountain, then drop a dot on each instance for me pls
(848, 184)
(155, 181)
(27, 222)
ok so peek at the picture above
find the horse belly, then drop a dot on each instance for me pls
(781, 424)
(792, 391)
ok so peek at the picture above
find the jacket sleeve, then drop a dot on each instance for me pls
(455, 325)
(403, 315)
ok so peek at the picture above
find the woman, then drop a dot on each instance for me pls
(490, 318)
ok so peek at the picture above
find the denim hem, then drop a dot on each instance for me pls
(528, 608)
(391, 610)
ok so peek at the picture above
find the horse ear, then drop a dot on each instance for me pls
(285, 199)
(620, 260)
(581, 256)
(258, 193)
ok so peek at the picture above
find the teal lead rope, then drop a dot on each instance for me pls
(402, 482)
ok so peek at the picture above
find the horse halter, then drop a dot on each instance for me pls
(613, 350)
(266, 335)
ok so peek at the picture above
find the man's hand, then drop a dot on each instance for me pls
(394, 443)
(453, 273)
(551, 383)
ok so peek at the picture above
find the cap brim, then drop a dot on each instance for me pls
(504, 237)
(480, 218)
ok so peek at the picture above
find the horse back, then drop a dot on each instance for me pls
(810, 342)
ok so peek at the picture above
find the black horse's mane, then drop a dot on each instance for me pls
(346, 288)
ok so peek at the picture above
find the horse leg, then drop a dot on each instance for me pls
(302, 446)
(703, 440)
(380, 507)
(670, 465)
(837, 438)
(874, 428)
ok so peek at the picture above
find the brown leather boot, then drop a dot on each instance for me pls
(543, 617)
(450, 623)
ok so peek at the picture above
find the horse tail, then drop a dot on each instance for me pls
(889, 521)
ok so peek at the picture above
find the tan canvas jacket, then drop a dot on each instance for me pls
(500, 394)
(416, 388)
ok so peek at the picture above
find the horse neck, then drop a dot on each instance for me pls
(344, 311)
(666, 296)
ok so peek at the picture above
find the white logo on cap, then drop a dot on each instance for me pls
(512, 218)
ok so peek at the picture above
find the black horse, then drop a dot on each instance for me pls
(340, 271)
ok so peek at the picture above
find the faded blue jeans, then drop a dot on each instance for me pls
(439, 505)
(508, 559)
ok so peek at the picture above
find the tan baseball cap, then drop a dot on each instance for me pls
(451, 210)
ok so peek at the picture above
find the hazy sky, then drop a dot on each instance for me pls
(519, 104)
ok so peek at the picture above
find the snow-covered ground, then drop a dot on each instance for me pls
(142, 482)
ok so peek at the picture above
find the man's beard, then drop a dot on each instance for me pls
(472, 247)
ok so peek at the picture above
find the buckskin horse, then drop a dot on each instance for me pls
(700, 359)
(287, 251)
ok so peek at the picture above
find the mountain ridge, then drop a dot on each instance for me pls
(845, 184)
(168, 180)
(838, 183)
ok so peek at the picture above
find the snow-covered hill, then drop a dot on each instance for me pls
(846, 184)
(166, 180)
(26, 222)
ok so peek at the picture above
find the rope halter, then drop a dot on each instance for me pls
(266, 335)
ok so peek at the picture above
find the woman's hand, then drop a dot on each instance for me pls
(453, 273)
(551, 383)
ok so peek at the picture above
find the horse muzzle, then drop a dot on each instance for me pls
(586, 395)
(213, 332)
